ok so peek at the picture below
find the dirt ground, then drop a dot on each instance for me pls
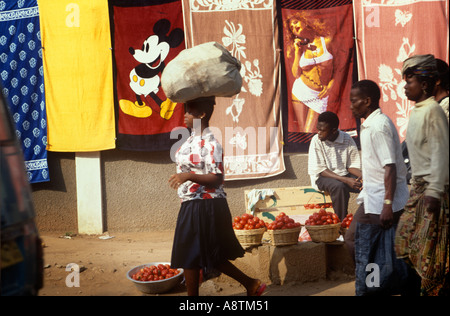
(105, 260)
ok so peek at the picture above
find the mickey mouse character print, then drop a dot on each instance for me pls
(145, 77)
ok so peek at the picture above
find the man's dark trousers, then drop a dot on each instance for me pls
(339, 193)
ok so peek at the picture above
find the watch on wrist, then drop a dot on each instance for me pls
(387, 202)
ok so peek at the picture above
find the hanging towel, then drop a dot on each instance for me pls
(258, 194)
(248, 125)
(148, 34)
(22, 82)
(322, 78)
(387, 34)
(78, 75)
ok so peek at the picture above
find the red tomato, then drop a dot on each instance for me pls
(237, 219)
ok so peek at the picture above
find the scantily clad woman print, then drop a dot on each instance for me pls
(309, 43)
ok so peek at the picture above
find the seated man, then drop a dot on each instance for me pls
(334, 164)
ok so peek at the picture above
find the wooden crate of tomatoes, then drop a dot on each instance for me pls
(312, 206)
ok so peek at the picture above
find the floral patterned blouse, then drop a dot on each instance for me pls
(200, 155)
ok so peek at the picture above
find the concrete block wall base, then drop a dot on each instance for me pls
(303, 262)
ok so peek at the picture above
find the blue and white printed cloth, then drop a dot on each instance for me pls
(22, 81)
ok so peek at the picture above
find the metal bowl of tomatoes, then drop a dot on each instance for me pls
(155, 277)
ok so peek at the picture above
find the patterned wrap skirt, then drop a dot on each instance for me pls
(204, 236)
(422, 240)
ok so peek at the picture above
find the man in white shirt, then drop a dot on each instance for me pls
(334, 164)
(385, 190)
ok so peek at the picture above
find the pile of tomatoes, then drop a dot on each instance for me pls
(347, 221)
(322, 217)
(155, 273)
(318, 206)
(248, 221)
(282, 221)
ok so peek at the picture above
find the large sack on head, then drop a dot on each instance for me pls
(202, 71)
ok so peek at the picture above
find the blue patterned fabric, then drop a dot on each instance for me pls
(22, 81)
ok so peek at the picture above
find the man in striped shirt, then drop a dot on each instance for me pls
(334, 164)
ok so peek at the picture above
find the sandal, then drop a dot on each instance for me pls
(261, 289)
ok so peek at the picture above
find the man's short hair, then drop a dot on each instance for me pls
(369, 89)
(330, 118)
(442, 68)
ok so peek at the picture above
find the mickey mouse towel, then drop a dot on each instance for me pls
(147, 34)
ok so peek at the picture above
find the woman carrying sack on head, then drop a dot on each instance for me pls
(204, 238)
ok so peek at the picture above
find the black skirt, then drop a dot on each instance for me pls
(204, 236)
